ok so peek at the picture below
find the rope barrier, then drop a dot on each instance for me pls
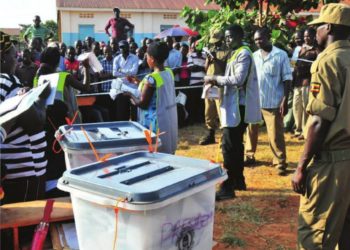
(124, 77)
(107, 93)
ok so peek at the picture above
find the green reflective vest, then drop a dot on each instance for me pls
(60, 84)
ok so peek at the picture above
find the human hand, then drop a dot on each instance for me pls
(127, 93)
(298, 180)
(23, 90)
(284, 107)
(132, 79)
(210, 80)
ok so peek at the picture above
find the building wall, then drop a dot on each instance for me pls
(146, 24)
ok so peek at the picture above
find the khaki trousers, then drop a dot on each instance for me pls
(251, 141)
(324, 213)
(300, 100)
(275, 132)
(212, 113)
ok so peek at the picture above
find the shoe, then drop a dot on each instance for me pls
(209, 139)
(249, 161)
(240, 185)
(281, 169)
(296, 135)
(224, 194)
(282, 172)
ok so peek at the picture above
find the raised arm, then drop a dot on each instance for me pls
(82, 86)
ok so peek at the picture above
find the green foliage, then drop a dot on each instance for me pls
(230, 239)
(206, 22)
(283, 21)
(52, 25)
(243, 212)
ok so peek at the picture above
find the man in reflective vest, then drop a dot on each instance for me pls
(239, 105)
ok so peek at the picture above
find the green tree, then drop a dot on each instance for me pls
(279, 15)
(52, 25)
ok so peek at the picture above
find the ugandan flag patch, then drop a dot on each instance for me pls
(315, 87)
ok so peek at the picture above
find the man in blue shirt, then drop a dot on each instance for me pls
(239, 105)
(174, 59)
(274, 78)
(125, 64)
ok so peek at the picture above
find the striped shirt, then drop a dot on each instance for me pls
(272, 71)
(9, 86)
(196, 76)
(22, 154)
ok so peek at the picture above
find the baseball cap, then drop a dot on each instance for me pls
(334, 13)
(215, 36)
(123, 43)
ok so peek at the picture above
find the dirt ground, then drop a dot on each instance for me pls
(264, 216)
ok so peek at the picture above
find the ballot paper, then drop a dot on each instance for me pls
(207, 51)
(94, 63)
(51, 79)
(118, 86)
(181, 98)
(15, 106)
(210, 92)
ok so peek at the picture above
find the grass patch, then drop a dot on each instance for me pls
(242, 212)
(232, 240)
(253, 209)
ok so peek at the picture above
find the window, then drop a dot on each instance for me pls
(86, 15)
(125, 15)
(170, 16)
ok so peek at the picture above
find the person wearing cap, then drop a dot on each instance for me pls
(120, 26)
(215, 65)
(239, 105)
(124, 65)
(323, 174)
(37, 30)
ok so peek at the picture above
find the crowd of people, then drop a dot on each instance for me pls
(251, 87)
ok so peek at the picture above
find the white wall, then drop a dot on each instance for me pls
(144, 22)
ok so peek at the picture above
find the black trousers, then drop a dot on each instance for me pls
(121, 108)
(233, 151)
(194, 104)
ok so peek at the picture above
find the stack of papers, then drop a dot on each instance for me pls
(93, 61)
(15, 106)
(119, 86)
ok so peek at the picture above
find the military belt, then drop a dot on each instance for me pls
(333, 156)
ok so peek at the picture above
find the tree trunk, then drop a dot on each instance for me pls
(260, 12)
(267, 11)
